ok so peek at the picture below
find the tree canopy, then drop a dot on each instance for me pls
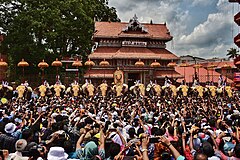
(232, 53)
(46, 29)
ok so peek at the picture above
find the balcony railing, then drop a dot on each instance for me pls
(237, 18)
(234, 1)
(237, 40)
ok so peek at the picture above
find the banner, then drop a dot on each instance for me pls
(236, 77)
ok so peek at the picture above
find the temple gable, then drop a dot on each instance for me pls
(135, 25)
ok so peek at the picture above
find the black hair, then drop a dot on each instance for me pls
(112, 149)
(171, 130)
(221, 126)
(237, 150)
(131, 132)
(140, 131)
(59, 118)
(212, 122)
(88, 120)
(2, 126)
(154, 130)
(96, 157)
(27, 133)
(208, 149)
(68, 147)
(45, 123)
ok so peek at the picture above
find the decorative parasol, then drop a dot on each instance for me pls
(155, 64)
(139, 63)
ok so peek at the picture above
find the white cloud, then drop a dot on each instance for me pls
(221, 3)
(210, 38)
(221, 49)
(168, 11)
(225, 6)
(216, 27)
(202, 2)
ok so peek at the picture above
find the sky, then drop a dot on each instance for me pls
(203, 28)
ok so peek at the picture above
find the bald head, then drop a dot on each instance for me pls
(200, 156)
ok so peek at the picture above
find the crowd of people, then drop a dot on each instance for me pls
(123, 127)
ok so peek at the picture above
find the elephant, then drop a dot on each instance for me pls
(199, 89)
(138, 89)
(170, 90)
(104, 89)
(153, 89)
(212, 90)
(174, 90)
(228, 89)
(157, 89)
(88, 89)
(58, 89)
(42, 89)
(183, 89)
(120, 89)
(20, 89)
(24, 92)
(220, 91)
(6, 91)
(74, 89)
(224, 91)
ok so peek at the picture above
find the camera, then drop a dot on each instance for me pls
(33, 152)
(154, 140)
(38, 148)
(112, 129)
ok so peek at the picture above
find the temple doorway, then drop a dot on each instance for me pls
(133, 77)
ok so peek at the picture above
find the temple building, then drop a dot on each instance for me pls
(3, 59)
(237, 42)
(237, 21)
(137, 49)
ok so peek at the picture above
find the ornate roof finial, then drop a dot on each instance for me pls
(135, 18)
(135, 25)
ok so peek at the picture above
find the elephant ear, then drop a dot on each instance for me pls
(131, 88)
(84, 86)
(80, 88)
(113, 87)
(68, 90)
(126, 87)
(10, 88)
(29, 89)
(148, 89)
(63, 87)
(163, 87)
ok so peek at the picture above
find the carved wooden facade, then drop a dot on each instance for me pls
(123, 44)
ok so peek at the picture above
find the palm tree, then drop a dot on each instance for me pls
(232, 53)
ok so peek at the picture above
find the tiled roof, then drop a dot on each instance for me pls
(115, 30)
(204, 74)
(219, 64)
(162, 74)
(131, 52)
(98, 75)
(106, 71)
(103, 53)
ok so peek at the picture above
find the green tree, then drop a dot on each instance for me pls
(232, 53)
(46, 29)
